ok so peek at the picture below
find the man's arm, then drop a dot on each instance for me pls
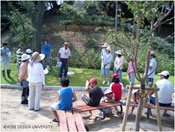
(75, 97)
(58, 95)
(59, 56)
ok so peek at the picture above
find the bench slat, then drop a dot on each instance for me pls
(79, 122)
(63, 122)
(71, 121)
(103, 105)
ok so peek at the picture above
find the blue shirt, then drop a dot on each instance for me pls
(5, 58)
(66, 95)
(46, 49)
(107, 58)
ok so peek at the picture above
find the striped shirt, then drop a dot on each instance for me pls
(19, 53)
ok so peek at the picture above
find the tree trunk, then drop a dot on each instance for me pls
(38, 26)
(138, 115)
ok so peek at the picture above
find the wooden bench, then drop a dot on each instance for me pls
(152, 106)
(71, 121)
(103, 105)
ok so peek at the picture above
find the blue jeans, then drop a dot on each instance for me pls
(119, 71)
(64, 67)
(150, 80)
(132, 79)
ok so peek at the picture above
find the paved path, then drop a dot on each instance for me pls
(15, 116)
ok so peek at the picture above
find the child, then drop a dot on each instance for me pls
(116, 87)
(66, 96)
(95, 94)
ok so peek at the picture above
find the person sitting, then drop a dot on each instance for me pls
(165, 91)
(66, 96)
(116, 86)
(95, 95)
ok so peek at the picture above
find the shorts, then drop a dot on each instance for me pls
(54, 107)
(105, 72)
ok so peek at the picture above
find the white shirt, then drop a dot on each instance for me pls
(64, 53)
(36, 73)
(153, 65)
(118, 63)
(165, 91)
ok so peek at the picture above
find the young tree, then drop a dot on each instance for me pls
(155, 12)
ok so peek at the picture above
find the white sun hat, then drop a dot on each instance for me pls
(29, 51)
(105, 45)
(164, 73)
(25, 57)
(119, 52)
(108, 48)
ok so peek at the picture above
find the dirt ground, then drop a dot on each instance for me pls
(17, 117)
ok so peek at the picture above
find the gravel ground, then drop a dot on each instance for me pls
(17, 117)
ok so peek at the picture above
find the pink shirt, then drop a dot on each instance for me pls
(130, 70)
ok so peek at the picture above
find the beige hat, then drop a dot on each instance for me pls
(119, 52)
(105, 45)
(66, 43)
(108, 48)
(36, 57)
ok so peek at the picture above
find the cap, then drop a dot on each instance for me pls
(4, 43)
(119, 52)
(21, 44)
(164, 73)
(108, 48)
(29, 51)
(115, 75)
(93, 80)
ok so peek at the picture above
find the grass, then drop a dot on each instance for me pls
(78, 79)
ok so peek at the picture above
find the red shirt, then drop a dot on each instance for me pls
(117, 90)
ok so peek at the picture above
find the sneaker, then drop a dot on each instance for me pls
(104, 82)
(108, 83)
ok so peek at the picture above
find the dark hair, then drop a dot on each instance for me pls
(115, 80)
(166, 77)
(118, 55)
(64, 82)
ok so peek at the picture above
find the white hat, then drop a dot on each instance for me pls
(152, 53)
(107, 91)
(105, 45)
(25, 57)
(119, 52)
(29, 51)
(164, 73)
(108, 48)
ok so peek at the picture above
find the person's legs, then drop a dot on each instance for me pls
(31, 96)
(50, 63)
(44, 62)
(8, 70)
(107, 71)
(54, 108)
(120, 75)
(165, 111)
(61, 69)
(132, 79)
(38, 87)
(66, 68)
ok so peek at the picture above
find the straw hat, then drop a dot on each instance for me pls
(105, 45)
(36, 57)
(119, 52)
(25, 57)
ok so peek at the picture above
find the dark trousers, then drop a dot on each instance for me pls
(25, 90)
(64, 67)
(47, 60)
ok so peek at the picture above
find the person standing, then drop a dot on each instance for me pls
(22, 78)
(64, 56)
(29, 52)
(151, 69)
(130, 70)
(46, 50)
(106, 61)
(103, 52)
(36, 80)
(19, 53)
(118, 64)
(5, 53)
